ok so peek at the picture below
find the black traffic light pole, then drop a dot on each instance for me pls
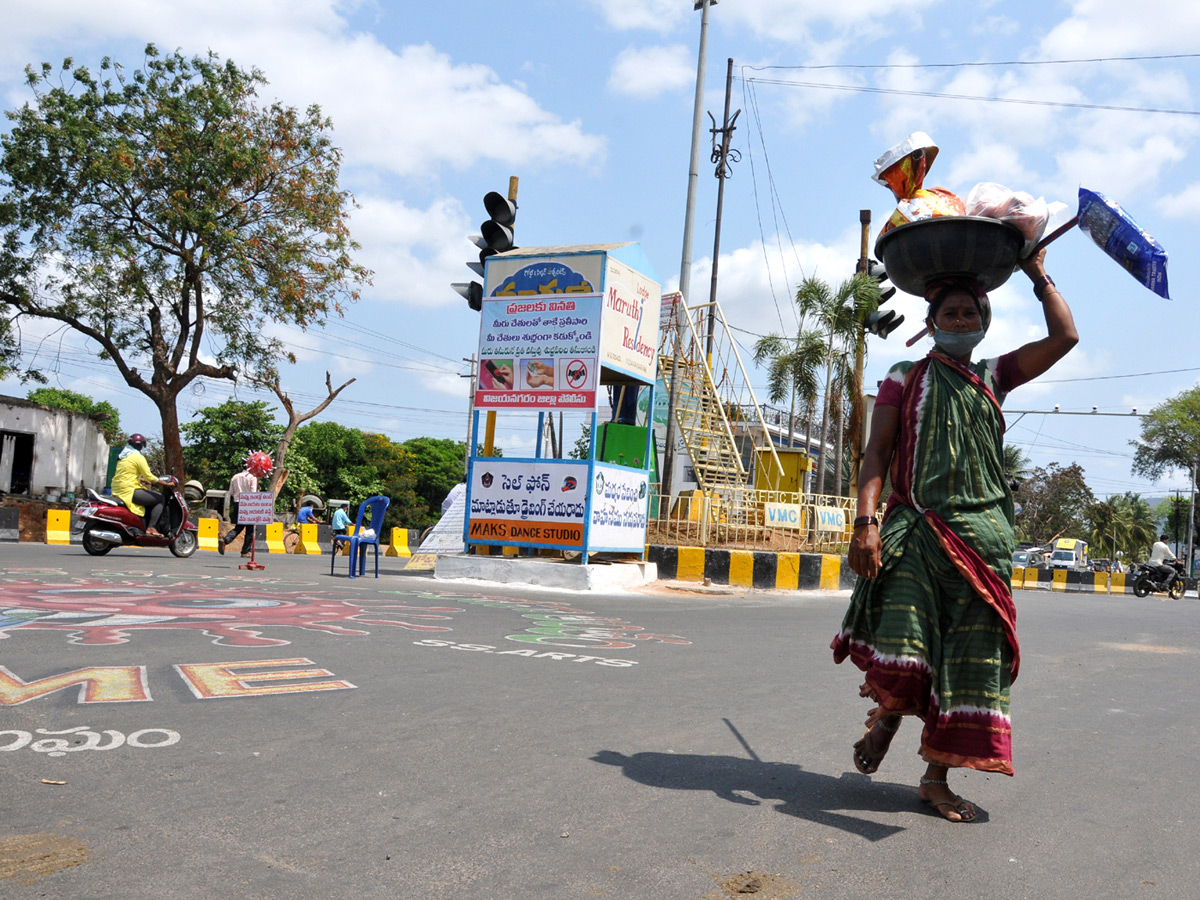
(860, 352)
(489, 434)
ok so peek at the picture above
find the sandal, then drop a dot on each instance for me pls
(867, 751)
(956, 809)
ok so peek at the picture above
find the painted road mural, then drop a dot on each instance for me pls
(123, 607)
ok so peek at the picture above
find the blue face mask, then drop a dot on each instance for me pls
(958, 343)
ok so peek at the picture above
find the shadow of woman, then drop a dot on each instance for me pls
(806, 795)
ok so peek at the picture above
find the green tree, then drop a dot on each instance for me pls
(169, 218)
(103, 412)
(221, 437)
(583, 443)
(301, 478)
(1170, 438)
(1173, 512)
(1123, 523)
(394, 469)
(1054, 502)
(436, 465)
(339, 459)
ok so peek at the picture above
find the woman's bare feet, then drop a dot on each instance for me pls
(870, 750)
(936, 792)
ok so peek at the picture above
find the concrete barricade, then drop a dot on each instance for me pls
(402, 542)
(10, 523)
(58, 526)
(274, 538)
(208, 531)
(310, 543)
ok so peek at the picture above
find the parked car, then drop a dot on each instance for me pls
(1029, 559)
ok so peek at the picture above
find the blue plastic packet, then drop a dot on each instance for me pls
(1118, 235)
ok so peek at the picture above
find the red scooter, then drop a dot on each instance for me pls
(108, 522)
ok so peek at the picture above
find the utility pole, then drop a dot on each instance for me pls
(685, 265)
(470, 410)
(1191, 519)
(722, 156)
(860, 353)
(1175, 518)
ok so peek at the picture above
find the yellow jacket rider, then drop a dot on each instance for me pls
(132, 472)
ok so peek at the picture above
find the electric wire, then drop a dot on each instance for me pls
(753, 106)
(938, 95)
(982, 63)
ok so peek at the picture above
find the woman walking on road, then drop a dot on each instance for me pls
(931, 621)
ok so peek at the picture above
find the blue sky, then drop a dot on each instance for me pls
(589, 103)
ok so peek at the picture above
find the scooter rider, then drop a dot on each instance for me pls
(1160, 555)
(132, 471)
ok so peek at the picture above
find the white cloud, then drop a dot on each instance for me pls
(662, 16)
(407, 112)
(1182, 205)
(415, 253)
(1114, 28)
(445, 384)
(997, 25)
(794, 21)
(647, 72)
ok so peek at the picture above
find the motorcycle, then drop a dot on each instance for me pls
(1147, 580)
(106, 522)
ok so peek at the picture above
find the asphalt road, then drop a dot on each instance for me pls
(185, 729)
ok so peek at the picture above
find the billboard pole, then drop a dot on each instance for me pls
(685, 265)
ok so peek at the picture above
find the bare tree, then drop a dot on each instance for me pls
(295, 420)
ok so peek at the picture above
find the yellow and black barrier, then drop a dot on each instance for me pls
(752, 568)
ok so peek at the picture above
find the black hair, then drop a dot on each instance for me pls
(947, 287)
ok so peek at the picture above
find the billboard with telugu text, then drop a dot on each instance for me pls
(535, 502)
(538, 352)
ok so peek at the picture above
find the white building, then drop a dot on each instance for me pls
(49, 450)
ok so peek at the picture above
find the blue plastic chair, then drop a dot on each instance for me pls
(377, 507)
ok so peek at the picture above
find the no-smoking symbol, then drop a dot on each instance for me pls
(577, 373)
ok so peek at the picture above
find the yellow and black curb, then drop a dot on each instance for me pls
(1078, 582)
(752, 568)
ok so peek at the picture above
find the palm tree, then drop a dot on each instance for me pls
(792, 365)
(1124, 523)
(1015, 463)
(839, 315)
(1141, 531)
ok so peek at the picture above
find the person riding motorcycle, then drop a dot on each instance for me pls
(1160, 555)
(133, 471)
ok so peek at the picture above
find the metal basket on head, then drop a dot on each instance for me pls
(926, 250)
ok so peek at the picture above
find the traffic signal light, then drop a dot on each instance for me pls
(496, 237)
(497, 231)
(472, 292)
(882, 322)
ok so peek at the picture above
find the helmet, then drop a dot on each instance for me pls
(137, 441)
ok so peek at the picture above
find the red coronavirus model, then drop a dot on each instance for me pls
(259, 464)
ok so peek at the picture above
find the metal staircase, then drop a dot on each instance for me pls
(715, 404)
